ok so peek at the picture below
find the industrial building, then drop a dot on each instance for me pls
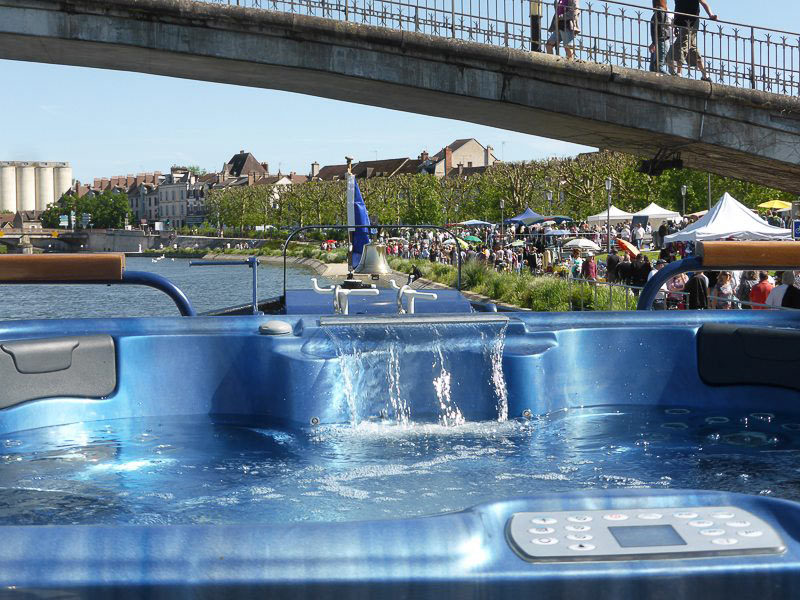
(26, 185)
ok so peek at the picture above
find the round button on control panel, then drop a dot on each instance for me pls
(750, 533)
(543, 521)
(738, 523)
(581, 547)
(579, 518)
(685, 514)
(724, 541)
(723, 515)
(577, 528)
(700, 523)
(541, 530)
(545, 541)
(616, 517)
(650, 516)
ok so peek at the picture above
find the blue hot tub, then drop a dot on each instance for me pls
(472, 455)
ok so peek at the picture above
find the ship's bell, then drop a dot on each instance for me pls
(373, 260)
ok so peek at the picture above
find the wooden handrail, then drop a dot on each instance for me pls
(41, 268)
(731, 255)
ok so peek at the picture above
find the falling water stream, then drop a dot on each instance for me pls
(412, 372)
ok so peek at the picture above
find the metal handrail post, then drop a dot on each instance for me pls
(251, 261)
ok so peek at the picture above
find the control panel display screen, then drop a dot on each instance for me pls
(641, 536)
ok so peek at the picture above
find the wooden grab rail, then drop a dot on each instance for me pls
(722, 255)
(22, 268)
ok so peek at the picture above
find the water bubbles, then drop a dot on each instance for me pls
(677, 411)
(676, 425)
(11, 443)
(751, 439)
(717, 420)
(763, 416)
(791, 426)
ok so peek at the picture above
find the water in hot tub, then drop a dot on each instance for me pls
(192, 470)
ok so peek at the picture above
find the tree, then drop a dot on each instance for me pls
(196, 170)
(577, 186)
(108, 210)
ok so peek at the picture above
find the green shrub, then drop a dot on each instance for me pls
(544, 293)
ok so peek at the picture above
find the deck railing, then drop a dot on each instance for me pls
(614, 33)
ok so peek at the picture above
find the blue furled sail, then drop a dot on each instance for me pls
(356, 215)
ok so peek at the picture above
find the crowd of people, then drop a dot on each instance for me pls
(539, 250)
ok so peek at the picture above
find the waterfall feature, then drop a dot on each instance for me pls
(449, 372)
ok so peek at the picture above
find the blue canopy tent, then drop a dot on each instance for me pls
(527, 217)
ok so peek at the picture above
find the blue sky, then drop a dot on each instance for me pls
(113, 123)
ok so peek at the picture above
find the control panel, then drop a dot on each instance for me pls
(683, 532)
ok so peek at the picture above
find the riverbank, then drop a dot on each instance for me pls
(321, 268)
(514, 291)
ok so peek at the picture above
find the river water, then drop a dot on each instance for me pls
(208, 288)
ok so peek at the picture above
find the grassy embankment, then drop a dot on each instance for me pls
(546, 293)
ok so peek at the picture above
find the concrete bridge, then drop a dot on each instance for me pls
(54, 240)
(747, 134)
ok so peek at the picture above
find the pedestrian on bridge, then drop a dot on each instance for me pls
(659, 33)
(684, 48)
(564, 27)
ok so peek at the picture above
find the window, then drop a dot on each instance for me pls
(469, 164)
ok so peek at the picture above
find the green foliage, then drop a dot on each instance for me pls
(577, 186)
(544, 294)
(197, 170)
(3, 249)
(108, 210)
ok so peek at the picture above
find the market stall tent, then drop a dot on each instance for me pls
(657, 215)
(616, 216)
(526, 217)
(729, 218)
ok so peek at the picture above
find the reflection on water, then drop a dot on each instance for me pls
(190, 470)
(207, 287)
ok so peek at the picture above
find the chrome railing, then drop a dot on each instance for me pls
(614, 33)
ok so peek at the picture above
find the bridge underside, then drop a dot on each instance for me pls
(738, 133)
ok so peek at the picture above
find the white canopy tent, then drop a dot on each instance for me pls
(616, 216)
(657, 215)
(729, 218)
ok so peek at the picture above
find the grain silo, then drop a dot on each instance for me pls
(8, 187)
(26, 186)
(44, 185)
(62, 179)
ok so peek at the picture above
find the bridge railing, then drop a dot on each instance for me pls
(615, 33)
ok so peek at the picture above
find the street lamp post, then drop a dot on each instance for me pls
(502, 223)
(608, 214)
(549, 195)
(683, 195)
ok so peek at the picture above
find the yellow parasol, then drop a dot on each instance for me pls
(776, 204)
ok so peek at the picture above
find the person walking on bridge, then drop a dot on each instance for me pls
(659, 33)
(564, 27)
(684, 48)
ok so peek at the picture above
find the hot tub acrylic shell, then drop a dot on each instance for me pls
(223, 366)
